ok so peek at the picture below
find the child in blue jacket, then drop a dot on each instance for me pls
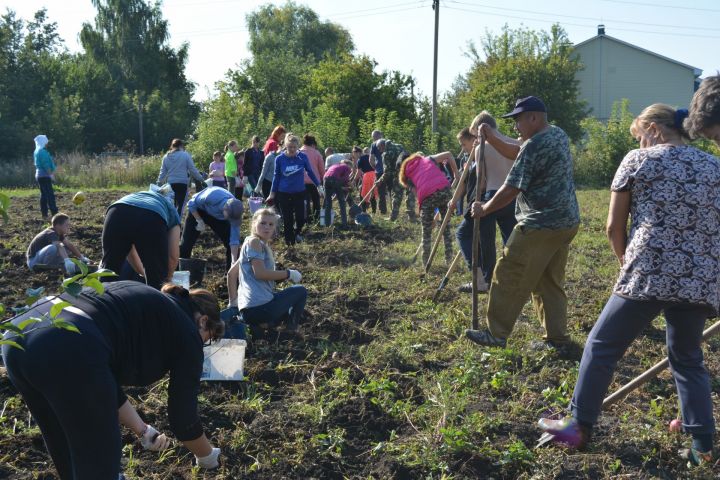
(288, 188)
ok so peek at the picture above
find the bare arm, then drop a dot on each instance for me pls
(507, 147)
(61, 249)
(173, 250)
(134, 260)
(73, 249)
(201, 446)
(130, 418)
(258, 266)
(262, 273)
(449, 159)
(616, 228)
(232, 283)
(502, 198)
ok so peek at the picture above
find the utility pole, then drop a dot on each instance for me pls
(140, 125)
(436, 7)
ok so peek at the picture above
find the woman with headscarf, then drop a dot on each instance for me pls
(44, 170)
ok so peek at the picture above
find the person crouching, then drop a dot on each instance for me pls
(254, 271)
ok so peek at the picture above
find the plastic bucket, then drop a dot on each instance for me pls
(255, 204)
(182, 278)
(224, 360)
(322, 217)
(196, 267)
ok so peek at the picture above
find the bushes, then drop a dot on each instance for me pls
(603, 146)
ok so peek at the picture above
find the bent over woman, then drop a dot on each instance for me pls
(143, 227)
(433, 191)
(131, 334)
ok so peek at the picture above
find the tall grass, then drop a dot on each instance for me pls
(78, 170)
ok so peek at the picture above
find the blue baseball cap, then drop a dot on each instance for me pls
(527, 104)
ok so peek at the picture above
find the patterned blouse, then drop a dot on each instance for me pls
(673, 249)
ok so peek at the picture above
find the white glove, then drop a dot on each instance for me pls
(200, 227)
(70, 266)
(85, 259)
(154, 440)
(321, 191)
(295, 276)
(209, 462)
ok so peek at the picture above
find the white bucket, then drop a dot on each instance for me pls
(255, 204)
(182, 278)
(224, 360)
(322, 217)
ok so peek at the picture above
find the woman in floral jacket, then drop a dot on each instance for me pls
(669, 264)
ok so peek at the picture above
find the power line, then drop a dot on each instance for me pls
(660, 5)
(364, 10)
(606, 20)
(676, 34)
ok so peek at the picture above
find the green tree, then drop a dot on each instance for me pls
(223, 118)
(295, 29)
(517, 63)
(130, 38)
(285, 42)
(351, 86)
(31, 57)
(328, 125)
(599, 153)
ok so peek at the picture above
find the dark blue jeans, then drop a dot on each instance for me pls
(621, 321)
(334, 187)
(272, 313)
(47, 196)
(504, 218)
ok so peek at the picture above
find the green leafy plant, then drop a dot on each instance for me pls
(4, 206)
(72, 286)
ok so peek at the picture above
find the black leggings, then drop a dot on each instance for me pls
(126, 226)
(266, 188)
(292, 207)
(180, 191)
(312, 202)
(67, 384)
(190, 235)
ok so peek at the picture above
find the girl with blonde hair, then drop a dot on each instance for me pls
(251, 279)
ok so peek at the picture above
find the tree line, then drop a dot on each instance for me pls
(303, 72)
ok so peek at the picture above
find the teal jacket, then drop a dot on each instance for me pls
(44, 165)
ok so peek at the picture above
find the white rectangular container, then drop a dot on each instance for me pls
(224, 360)
(182, 278)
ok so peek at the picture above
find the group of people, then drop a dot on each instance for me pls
(669, 262)
(133, 334)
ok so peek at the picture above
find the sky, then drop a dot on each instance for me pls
(398, 34)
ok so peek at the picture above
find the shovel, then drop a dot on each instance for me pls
(445, 279)
(644, 377)
(357, 209)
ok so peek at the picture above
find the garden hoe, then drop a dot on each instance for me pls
(647, 375)
(479, 180)
(445, 279)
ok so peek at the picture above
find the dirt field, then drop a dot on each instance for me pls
(382, 384)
